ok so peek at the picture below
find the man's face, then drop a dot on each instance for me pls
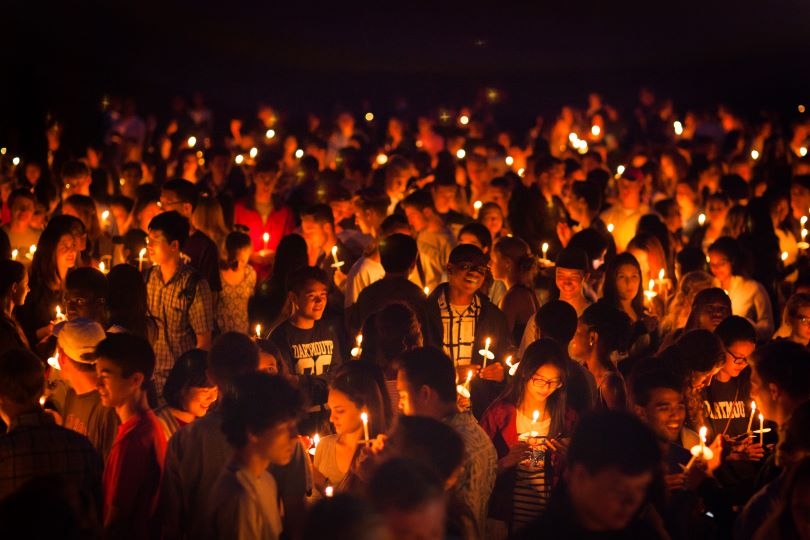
(569, 282)
(465, 277)
(158, 247)
(609, 499)
(113, 388)
(277, 443)
(664, 413)
(313, 232)
(444, 197)
(82, 304)
(409, 402)
(170, 201)
(628, 188)
(710, 315)
(416, 219)
(426, 522)
(311, 301)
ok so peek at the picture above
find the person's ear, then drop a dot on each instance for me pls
(774, 391)
(187, 209)
(424, 393)
(641, 412)
(593, 337)
(137, 379)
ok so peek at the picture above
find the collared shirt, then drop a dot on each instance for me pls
(183, 310)
(35, 446)
(458, 325)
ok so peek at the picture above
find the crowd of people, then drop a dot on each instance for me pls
(423, 328)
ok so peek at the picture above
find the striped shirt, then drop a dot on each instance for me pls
(531, 493)
(183, 309)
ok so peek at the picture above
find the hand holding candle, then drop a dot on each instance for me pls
(337, 263)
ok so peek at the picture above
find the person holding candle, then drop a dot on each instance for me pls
(748, 297)
(261, 213)
(433, 238)
(352, 392)
(717, 208)
(13, 290)
(570, 275)
(238, 283)
(98, 242)
(623, 290)
(188, 392)
(19, 231)
(467, 318)
(56, 254)
(629, 208)
(521, 493)
(426, 385)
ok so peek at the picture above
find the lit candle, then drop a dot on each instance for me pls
(803, 220)
(53, 361)
(754, 155)
(357, 349)
(14, 254)
(544, 249)
(258, 331)
(105, 215)
(512, 367)
(703, 432)
(102, 267)
(59, 315)
(751, 418)
(784, 256)
(254, 152)
(700, 450)
(464, 390)
(337, 263)
(270, 133)
(650, 293)
(315, 440)
(535, 418)
(427, 290)
(595, 131)
(329, 491)
(382, 159)
(461, 153)
(761, 430)
(477, 207)
(364, 418)
(192, 141)
(266, 239)
(610, 228)
(141, 255)
(485, 352)
(31, 251)
(701, 219)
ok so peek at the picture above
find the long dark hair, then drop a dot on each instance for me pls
(235, 242)
(127, 300)
(610, 292)
(366, 390)
(44, 271)
(544, 351)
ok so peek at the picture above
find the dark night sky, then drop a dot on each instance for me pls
(64, 57)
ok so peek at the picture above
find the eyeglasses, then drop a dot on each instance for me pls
(470, 267)
(168, 204)
(804, 321)
(737, 359)
(545, 384)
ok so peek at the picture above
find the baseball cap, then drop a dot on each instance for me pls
(78, 338)
(468, 253)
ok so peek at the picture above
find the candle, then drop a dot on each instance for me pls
(535, 417)
(59, 315)
(485, 352)
(192, 141)
(544, 249)
(754, 155)
(610, 228)
(329, 491)
(461, 153)
(650, 293)
(105, 215)
(254, 152)
(14, 254)
(427, 291)
(512, 367)
(315, 440)
(701, 219)
(357, 349)
(337, 263)
(595, 131)
(364, 418)
(266, 239)
(751, 418)
(270, 133)
(31, 251)
(258, 331)
(703, 431)
(141, 255)
(784, 256)
(53, 361)
(803, 220)
(761, 430)
(464, 389)
(477, 207)
(102, 267)
(382, 159)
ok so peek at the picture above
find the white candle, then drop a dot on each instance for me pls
(337, 263)
(761, 430)
(258, 331)
(266, 239)
(512, 367)
(751, 418)
(14, 254)
(31, 251)
(544, 249)
(701, 219)
(535, 418)
(364, 418)
(141, 255)
(329, 491)
(485, 352)
(357, 349)
(315, 440)
(610, 228)
(703, 431)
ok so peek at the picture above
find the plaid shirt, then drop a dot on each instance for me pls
(183, 309)
(35, 446)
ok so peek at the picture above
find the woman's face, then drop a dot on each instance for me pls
(22, 291)
(710, 315)
(345, 415)
(628, 281)
(720, 266)
(493, 221)
(800, 324)
(197, 400)
(545, 381)
(66, 251)
(243, 257)
(737, 357)
(499, 265)
(268, 363)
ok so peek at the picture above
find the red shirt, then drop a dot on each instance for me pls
(280, 223)
(132, 474)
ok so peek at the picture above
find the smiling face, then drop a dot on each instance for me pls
(159, 249)
(344, 413)
(736, 358)
(465, 277)
(665, 413)
(545, 381)
(569, 282)
(113, 388)
(311, 301)
(197, 400)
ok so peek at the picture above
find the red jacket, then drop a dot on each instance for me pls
(279, 223)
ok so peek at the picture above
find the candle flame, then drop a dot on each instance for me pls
(316, 439)
(461, 153)
(487, 343)
(701, 219)
(359, 339)
(661, 274)
(477, 205)
(102, 267)
(192, 142)
(703, 431)
(761, 418)
(784, 255)
(329, 491)
(364, 417)
(259, 331)
(32, 249)
(105, 214)
(509, 360)
(142, 253)
(535, 416)
(427, 291)
(610, 227)
(14, 254)
(469, 376)
(651, 284)
(545, 248)
(753, 406)
(334, 251)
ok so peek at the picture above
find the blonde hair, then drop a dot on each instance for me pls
(209, 218)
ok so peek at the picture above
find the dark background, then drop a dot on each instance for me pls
(61, 58)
